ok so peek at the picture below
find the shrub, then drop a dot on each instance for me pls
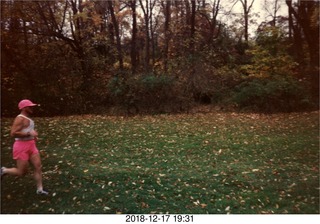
(272, 95)
(146, 93)
(269, 82)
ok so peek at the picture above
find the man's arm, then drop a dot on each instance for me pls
(17, 127)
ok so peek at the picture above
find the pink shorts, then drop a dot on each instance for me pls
(23, 150)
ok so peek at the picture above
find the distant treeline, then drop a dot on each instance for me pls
(145, 56)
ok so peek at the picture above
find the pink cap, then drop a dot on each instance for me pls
(26, 103)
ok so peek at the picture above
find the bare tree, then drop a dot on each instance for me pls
(147, 9)
(306, 14)
(246, 6)
(115, 25)
(192, 25)
(272, 8)
(212, 19)
(133, 53)
(166, 5)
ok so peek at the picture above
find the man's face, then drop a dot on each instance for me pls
(29, 110)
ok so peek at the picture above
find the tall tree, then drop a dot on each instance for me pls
(166, 5)
(306, 14)
(147, 7)
(115, 25)
(272, 8)
(306, 28)
(246, 7)
(192, 25)
(133, 52)
(211, 17)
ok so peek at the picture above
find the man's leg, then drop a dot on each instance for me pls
(20, 170)
(36, 162)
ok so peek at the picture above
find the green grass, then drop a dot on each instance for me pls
(214, 163)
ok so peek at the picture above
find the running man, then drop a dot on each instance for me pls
(24, 147)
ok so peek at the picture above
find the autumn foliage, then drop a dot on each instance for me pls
(101, 56)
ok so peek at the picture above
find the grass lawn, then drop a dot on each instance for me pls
(214, 163)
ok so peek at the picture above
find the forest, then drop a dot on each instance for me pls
(150, 57)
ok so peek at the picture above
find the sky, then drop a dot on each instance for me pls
(257, 8)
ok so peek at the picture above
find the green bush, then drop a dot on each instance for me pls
(146, 93)
(278, 94)
(269, 82)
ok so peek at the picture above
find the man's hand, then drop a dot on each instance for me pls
(33, 133)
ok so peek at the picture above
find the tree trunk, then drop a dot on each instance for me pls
(192, 25)
(133, 52)
(290, 20)
(246, 11)
(117, 34)
(147, 14)
(311, 32)
(167, 33)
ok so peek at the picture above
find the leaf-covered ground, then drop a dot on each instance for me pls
(200, 163)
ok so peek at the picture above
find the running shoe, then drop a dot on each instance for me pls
(42, 192)
(2, 172)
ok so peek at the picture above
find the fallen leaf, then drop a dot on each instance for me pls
(203, 205)
(106, 208)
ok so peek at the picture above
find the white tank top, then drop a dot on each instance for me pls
(27, 129)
